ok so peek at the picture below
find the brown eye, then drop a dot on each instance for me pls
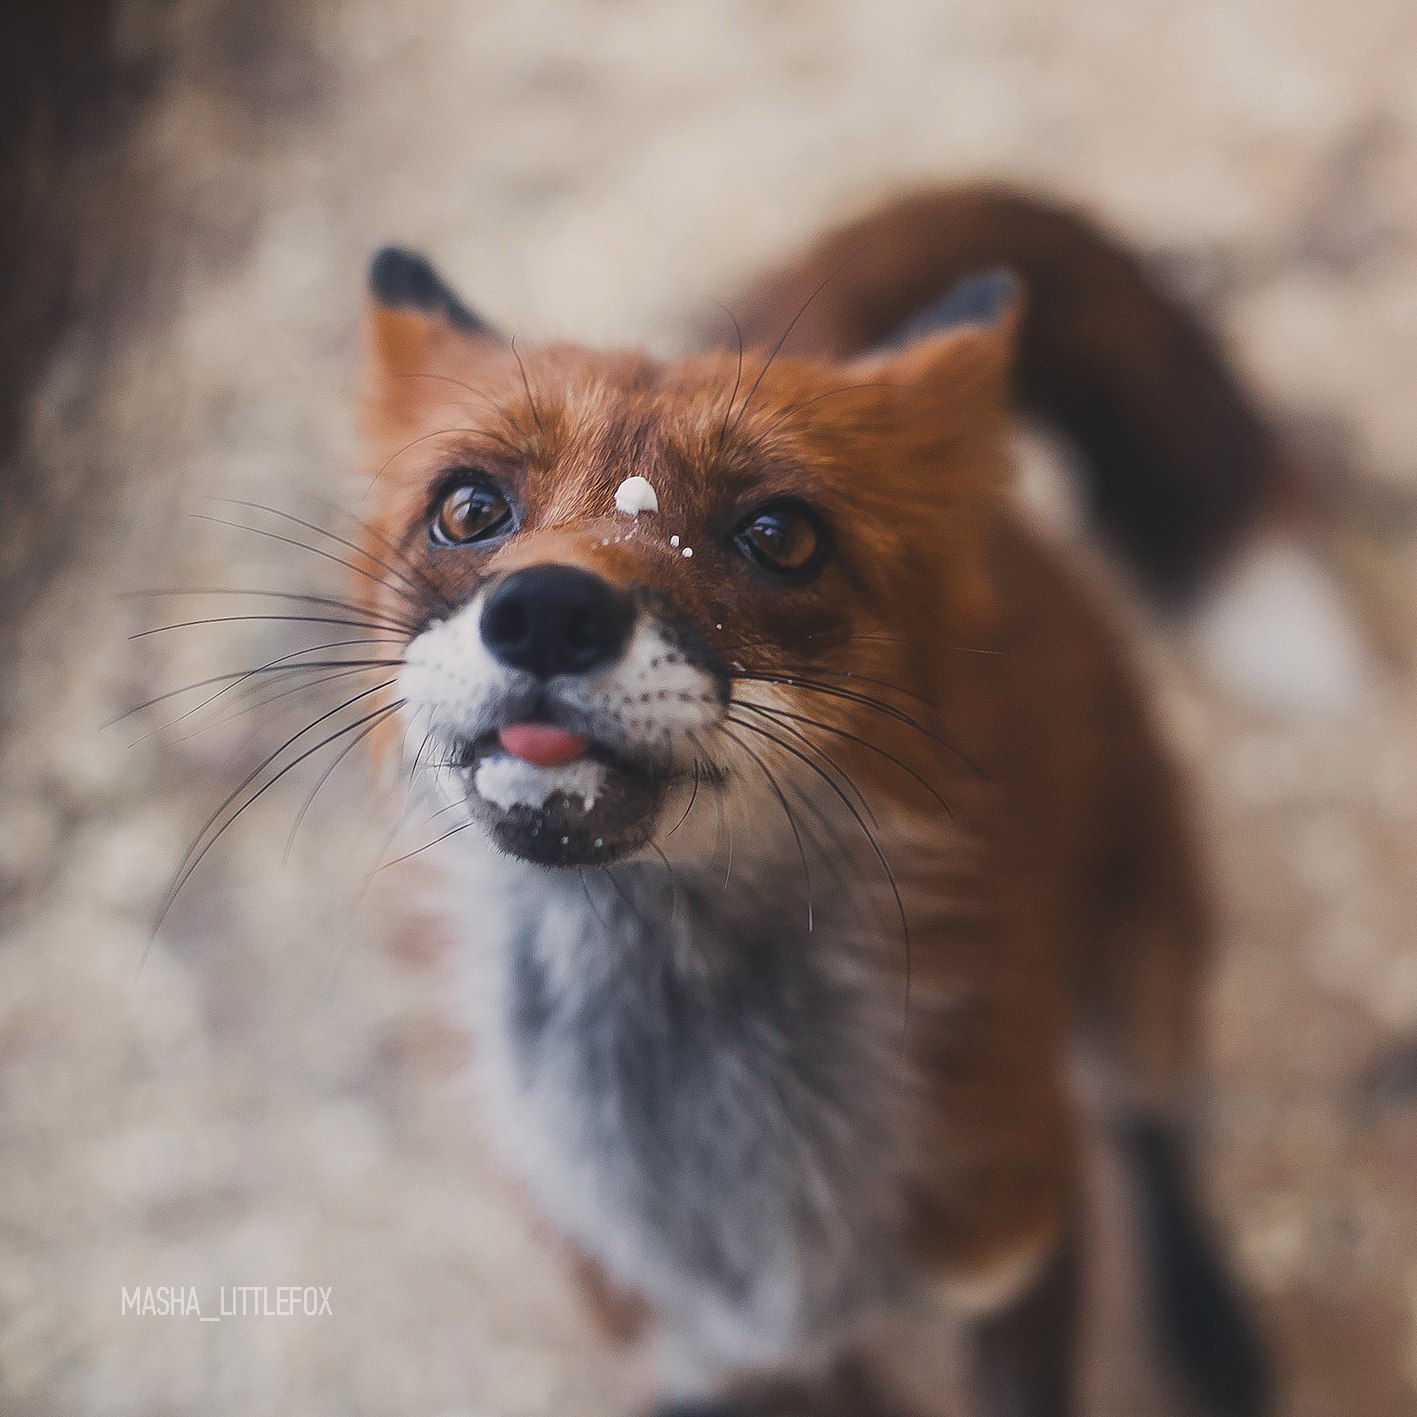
(473, 510)
(784, 537)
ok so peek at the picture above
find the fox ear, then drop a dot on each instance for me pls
(413, 312)
(404, 280)
(958, 355)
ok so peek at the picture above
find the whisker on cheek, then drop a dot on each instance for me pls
(411, 579)
(861, 823)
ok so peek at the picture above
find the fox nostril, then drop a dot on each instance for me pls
(550, 620)
(583, 631)
(506, 622)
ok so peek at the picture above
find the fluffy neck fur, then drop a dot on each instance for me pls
(695, 1088)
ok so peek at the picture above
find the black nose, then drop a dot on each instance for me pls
(553, 620)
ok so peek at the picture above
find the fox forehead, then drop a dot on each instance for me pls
(567, 425)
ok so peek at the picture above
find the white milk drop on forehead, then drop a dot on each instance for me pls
(635, 495)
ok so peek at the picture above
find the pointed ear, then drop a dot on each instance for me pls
(413, 314)
(951, 373)
(957, 355)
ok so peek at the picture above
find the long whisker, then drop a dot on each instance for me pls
(194, 856)
(674, 902)
(811, 747)
(266, 668)
(867, 701)
(792, 325)
(865, 831)
(399, 554)
(235, 677)
(273, 619)
(774, 712)
(332, 602)
(590, 899)
(423, 585)
(693, 797)
(269, 699)
(428, 845)
(313, 550)
(787, 812)
(323, 779)
(271, 758)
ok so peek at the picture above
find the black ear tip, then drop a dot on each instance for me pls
(978, 300)
(402, 279)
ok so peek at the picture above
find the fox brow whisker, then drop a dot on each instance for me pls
(526, 384)
(791, 325)
(484, 398)
(506, 444)
(792, 410)
(737, 378)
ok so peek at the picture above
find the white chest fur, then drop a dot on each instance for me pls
(696, 1090)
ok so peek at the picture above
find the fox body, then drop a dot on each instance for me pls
(815, 812)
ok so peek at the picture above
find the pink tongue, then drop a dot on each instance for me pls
(541, 744)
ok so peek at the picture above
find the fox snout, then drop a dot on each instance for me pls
(564, 704)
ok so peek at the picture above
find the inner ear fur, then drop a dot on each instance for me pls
(415, 323)
(952, 414)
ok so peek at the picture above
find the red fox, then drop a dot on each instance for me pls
(815, 811)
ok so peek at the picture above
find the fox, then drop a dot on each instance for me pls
(810, 813)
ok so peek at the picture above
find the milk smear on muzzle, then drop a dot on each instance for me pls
(509, 782)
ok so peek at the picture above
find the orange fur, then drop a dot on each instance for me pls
(1064, 894)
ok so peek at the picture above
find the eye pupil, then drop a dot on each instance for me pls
(786, 539)
(470, 511)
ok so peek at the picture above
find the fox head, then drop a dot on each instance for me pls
(629, 584)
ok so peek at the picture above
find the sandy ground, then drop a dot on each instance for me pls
(264, 1095)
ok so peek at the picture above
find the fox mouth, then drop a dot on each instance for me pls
(556, 797)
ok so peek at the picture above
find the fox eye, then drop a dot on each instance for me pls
(473, 508)
(786, 538)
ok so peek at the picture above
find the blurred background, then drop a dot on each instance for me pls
(264, 1093)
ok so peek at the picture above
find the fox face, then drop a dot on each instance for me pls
(628, 583)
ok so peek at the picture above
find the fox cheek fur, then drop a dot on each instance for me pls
(819, 812)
